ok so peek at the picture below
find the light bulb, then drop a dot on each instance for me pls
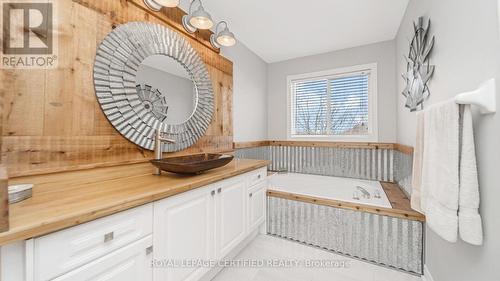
(226, 40)
(222, 38)
(201, 19)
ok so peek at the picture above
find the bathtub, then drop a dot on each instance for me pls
(320, 211)
(332, 188)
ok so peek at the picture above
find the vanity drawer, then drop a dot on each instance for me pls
(62, 251)
(257, 176)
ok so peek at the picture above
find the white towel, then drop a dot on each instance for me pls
(449, 193)
(440, 178)
(416, 184)
(469, 220)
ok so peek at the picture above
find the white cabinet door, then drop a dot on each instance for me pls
(230, 215)
(183, 231)
(130, 263)
(256, 205)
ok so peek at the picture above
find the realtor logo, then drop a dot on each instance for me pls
(28, 39)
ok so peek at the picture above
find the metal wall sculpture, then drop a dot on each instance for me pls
(418, 69)
(116, 64)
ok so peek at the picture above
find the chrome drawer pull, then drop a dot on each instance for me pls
(109, 236)
(259, 176)
(251, 194)
(149, 250)
(219, 190)
(212, 192)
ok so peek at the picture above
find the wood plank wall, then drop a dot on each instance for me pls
(4, 200)
(51, 119)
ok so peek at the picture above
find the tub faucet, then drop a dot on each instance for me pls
(159, 139)
(278, 171)
(366, 194)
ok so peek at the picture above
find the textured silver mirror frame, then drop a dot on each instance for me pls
(116, 64)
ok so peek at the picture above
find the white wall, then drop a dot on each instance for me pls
(382, 53)
(249, 93)
(466, 53)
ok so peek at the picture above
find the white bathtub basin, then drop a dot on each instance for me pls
(334, 188)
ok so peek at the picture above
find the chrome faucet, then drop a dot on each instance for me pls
(278, 171)
(366, 194)
(159, 139)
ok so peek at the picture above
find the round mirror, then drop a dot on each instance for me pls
(166, 90)
(149, 79)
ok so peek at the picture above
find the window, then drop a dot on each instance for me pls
(334, 105)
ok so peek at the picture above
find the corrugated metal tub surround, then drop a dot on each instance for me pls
(388, 241)
(360, 232)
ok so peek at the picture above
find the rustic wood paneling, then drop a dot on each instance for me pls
(4, 191)
(404, 148)
(4, 200)
(375, 145)
(250, 144)
(396, 196)
(51, 118)
(372, 145)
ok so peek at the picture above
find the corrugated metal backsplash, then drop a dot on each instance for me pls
(361, 163)
(403, 164)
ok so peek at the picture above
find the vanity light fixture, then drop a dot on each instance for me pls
(198, 19)
(222, 38)
(156, 5)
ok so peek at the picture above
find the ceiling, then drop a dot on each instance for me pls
(278, 30)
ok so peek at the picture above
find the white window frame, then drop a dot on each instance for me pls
(372, 135)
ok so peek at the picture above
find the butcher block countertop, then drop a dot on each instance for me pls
(67, 199)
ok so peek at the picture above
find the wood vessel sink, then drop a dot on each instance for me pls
(192, 164)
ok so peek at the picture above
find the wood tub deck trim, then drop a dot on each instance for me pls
(399, 202)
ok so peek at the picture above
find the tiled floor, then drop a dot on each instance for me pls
(267, 248)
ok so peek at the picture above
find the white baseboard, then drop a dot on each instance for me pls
(427, 275)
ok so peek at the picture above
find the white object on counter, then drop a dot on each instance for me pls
(20, 192)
